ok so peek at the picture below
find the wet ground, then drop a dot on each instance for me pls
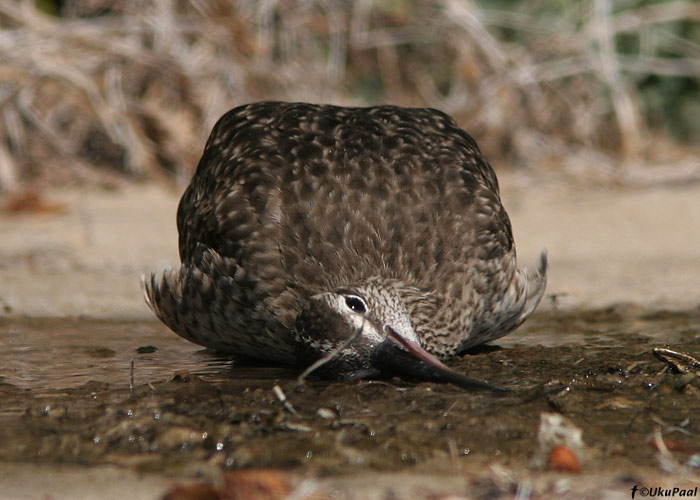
(69, 395)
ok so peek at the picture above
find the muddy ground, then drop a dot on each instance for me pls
(594, 367)
(73, 423)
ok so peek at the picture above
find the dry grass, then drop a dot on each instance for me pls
(132, 92)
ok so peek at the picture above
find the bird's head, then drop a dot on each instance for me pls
(351, 321)
(363, 330)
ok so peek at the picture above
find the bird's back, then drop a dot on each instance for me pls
(290, 200)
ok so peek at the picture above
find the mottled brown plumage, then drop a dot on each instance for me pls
(298, 212)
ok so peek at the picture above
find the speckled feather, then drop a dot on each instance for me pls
(291, 200)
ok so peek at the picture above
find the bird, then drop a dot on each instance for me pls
(366, 240)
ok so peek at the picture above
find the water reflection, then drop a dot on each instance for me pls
(63, 353)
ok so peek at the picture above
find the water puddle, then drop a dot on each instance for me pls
(64, 353)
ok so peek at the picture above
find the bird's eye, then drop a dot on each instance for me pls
(355, 303)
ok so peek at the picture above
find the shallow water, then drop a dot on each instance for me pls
(58, 353)
(52, 353)
(66, 397)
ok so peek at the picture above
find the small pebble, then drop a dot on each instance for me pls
(563, 458)
(326, 413)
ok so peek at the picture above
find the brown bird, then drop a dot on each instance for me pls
(372, 239)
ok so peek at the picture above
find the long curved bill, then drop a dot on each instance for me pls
(397, 355)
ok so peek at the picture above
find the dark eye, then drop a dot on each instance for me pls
(355, 303)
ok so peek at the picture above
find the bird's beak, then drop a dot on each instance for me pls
(397, 355)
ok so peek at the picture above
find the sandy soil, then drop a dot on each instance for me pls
(605, 246)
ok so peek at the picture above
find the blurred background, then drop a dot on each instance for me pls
(588, 110)
(111, 92)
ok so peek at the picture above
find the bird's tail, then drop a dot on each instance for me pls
(536, 282)
(205, 305)
(519, 302)
(173, 296)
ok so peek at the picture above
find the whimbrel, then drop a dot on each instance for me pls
(375, 235)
